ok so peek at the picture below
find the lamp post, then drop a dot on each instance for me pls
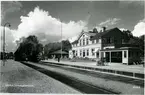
(4, 36)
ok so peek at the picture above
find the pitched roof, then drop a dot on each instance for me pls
(59, 52)
(88, 33)
(100, 34)
(96, 35)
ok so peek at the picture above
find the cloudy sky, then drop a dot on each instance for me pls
(45, 18)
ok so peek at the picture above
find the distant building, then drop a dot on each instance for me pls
(108, 44)
(59, 53)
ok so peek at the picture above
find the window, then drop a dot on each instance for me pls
(73, 52)
(76, 52)
(83, 53)
(93, 52)
(104, 40)
(80, 42)
(123, 41)
(137, 53)
(83, 41)
(87, 41)
(87, 52)
(80, 52)
(108, 40)
(97, 54)
(124, 54)
(97, 40)
(112, 40)
(93, 41)
(129, 54)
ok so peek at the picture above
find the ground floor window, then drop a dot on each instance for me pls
(93, 52)
(124, 54)
(80, 52)
(87, 52)
(116, 56)
(97, 54)
(76, 52)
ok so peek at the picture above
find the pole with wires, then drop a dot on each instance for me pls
(4, 43)
(61, 39)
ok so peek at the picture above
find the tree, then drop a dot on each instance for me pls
(127, 35)
(51, 47)
(95, 30)
(66, 45)
(30, 49)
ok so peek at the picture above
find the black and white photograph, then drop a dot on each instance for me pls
(72, 47)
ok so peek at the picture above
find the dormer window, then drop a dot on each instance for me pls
(80, 42)
(83, 41)
(93, 41)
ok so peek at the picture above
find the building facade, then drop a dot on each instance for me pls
(108, 44)
(84, 46)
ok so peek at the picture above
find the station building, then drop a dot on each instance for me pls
(108, 44)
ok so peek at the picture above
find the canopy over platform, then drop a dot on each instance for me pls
(121, 49)
(59, 52)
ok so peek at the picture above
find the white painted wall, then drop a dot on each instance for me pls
(85, 47)
(125, 60)
(70, 54)
(109, 47)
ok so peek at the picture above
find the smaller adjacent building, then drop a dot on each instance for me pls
(125, 55)
(59, 53)
(108, 44)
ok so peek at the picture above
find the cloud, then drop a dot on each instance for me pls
(9, 6)
(99, 28)
(47, 28)
(40, 23)
(72, 39)
(109, 22)
(139, 28)
(9, 39)
(123, 29)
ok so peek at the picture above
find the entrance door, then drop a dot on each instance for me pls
(83, 53)
(107, 57)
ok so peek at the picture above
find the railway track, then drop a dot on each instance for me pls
(81, 86)
(133, 81)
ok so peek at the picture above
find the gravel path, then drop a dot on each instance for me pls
(115, 86)
(18, 78)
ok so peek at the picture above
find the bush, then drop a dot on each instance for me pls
(101, 62)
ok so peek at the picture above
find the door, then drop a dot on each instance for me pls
(107, 57)
(83, 53)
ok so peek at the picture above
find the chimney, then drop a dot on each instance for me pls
(104, 29)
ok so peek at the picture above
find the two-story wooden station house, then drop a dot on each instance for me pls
(108, 44)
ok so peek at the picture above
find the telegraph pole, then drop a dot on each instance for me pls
(61, 39)
(4, 36)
